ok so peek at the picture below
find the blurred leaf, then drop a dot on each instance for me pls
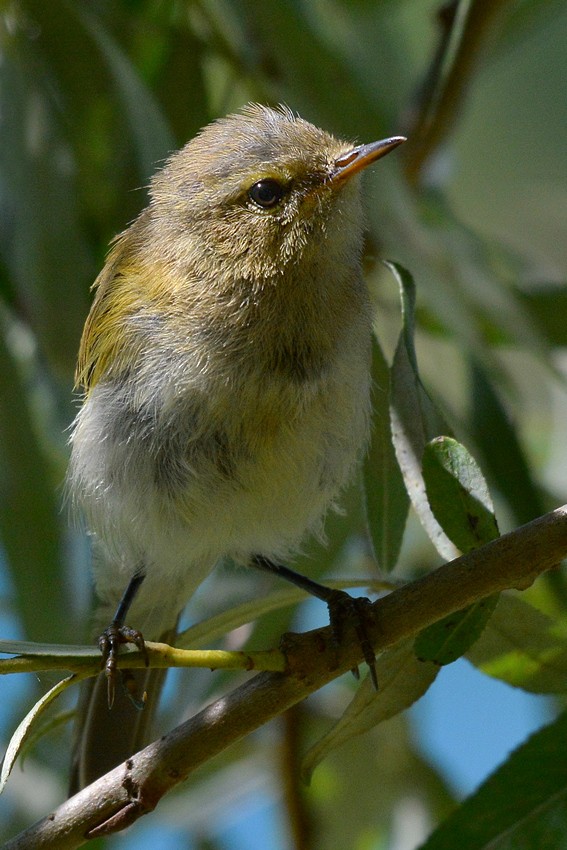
(181, 87)
(363, 789)
(402, 679)
(548, 307)
(150, 133)
(523, 647)
(502, 454)
(520, 807)
(41, 250)
(460, 500)
(29, 510)
(88, 113)
(523, 16)
(213, 628)
(387, 501)
(463, 29)
(415, 420)
(323, 89)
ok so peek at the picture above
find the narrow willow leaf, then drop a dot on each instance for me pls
(461, 502)
(27, 647)
(42, 730)
(523, 806)
(458, 494)
(447, 640)
(386, 498)
(402, 679)
(502, 453)
(216, 627)
(415, 420)
(523, 647)
(22, 733)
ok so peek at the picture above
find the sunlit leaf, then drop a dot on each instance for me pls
(22, 733)
(26, 647)
(415, 420)
(459, 498)
(523, 647)
(458, 494)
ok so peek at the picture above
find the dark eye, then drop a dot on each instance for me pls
(266, 193)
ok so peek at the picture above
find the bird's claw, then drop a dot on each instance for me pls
(109, 644)
(344, 608)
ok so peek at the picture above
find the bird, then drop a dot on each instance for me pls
(225, 376)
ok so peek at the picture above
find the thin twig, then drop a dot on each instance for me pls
(465, 27)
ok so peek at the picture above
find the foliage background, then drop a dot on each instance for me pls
(93, 94)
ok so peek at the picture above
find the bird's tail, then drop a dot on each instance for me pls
(105, 737)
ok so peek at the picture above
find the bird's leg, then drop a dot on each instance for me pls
(342, 608)
(118, 633)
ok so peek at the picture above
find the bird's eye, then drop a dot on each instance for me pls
(266, 193)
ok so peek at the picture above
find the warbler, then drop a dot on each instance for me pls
(225, 364)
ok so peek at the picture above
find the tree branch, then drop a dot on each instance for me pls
(465, 29)
(135, 787)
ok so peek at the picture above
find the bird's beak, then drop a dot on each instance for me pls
(350, 163)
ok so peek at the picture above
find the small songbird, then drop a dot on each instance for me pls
(226, 372)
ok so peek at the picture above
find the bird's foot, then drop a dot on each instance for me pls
(345, 609)
(109, 644)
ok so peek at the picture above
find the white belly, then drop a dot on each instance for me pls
(171, 488)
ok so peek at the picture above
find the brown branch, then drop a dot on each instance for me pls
(298, 815)
(464, 32)
(135, 787)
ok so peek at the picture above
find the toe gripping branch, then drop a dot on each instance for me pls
(343, 609)
(117, 634)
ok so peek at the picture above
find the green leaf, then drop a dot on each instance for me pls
(523, 647)
(33, 648)
(414, 418)
(460, 500)
(387, 501)
(22, 733)
(502, 454)
(458, 494)
(402, 680)
(445, 641)
(523, 806)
